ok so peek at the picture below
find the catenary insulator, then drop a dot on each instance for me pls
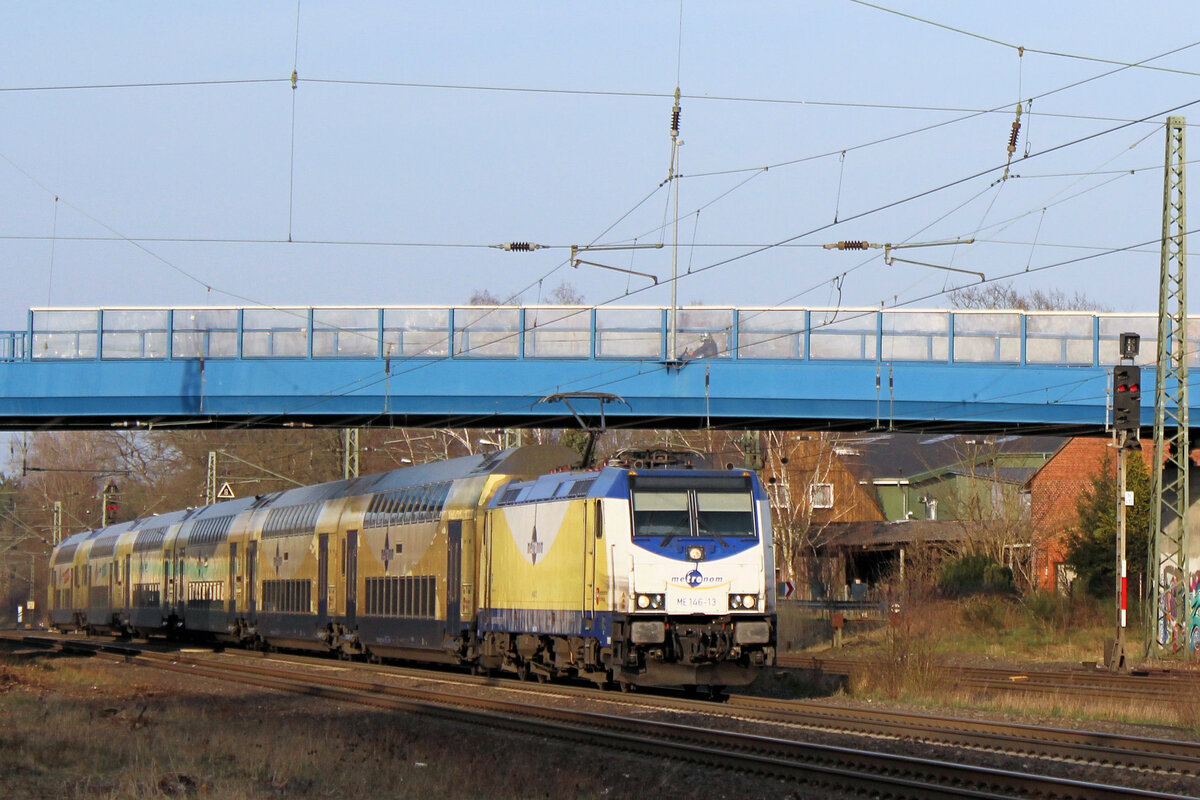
(1012, 138)
(518, 247)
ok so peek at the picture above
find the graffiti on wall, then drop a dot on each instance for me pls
(1179, 610)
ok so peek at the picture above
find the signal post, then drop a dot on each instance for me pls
(1127, 414)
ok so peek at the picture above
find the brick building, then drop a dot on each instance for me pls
(849, 508)
(1054, 492)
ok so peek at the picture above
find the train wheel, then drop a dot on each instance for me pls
(717, 693)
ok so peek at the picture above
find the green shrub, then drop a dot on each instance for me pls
(983, 613)
(974, 574)
(1047, 607)
(997, 578)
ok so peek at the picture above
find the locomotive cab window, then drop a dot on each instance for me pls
(661, 513)
(725, 514)
(667, 507)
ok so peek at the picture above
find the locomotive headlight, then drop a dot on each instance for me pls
(695, 553)
(743, 602)
(649, 602)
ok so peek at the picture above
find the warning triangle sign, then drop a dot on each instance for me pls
(225, 492)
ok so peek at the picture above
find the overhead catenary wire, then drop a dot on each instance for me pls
(945, 290)
(700, 269)
(1025, 48)
(784, 245)
(184, 83)
(600, 382)
(920, 194)
(235, 295)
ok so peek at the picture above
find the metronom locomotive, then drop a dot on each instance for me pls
(514, 560)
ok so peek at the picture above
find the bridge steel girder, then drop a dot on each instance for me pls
(481, 392)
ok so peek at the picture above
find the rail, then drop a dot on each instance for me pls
(580, 332)
(837, 769)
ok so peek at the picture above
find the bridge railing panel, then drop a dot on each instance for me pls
(345, 333)
(916, 336)
(12, 345)
(987, 337)
(846, 335)
(416, 332)
(204, 333)
(133, 333)
(487, 332)
(65, 334)
(1059, 338)
(558, 332)
(772, 333)
(629, 332)
(274, 333)
(693, 324)
(580, 332)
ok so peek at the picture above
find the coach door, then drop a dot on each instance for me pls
(168, 582)
(234, 567)
(453, 576)
(322, 577)
(350, 575)
(593, 530)
(252, 578)
(180, 588)
(128, 586)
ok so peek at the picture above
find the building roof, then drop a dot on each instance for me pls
(887, 535)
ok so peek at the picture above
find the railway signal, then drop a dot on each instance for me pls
(1127, 399)
(111, 504)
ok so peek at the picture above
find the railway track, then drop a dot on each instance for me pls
(1082, 682)
(781, 755)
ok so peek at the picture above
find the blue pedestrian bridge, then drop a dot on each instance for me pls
(552, 366)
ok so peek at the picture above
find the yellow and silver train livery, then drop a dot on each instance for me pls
(515, 561)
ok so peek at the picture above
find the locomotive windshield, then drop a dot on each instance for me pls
(669, 507)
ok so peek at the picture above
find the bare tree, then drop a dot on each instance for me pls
(803, 480)
(565, 295)
(484, 297)
(1004, 295)
(993, 513)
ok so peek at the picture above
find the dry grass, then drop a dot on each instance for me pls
(905, 661)
(78, 728)
(1174, 714)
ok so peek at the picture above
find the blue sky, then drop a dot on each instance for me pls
(424, 132)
